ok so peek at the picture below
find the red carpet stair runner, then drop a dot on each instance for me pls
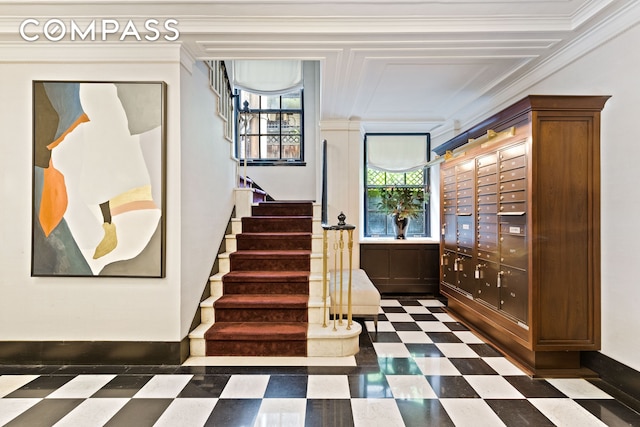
(263, 310)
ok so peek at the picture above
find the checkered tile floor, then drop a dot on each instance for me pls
(421, 368)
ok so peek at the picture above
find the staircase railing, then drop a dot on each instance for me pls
(337, 303)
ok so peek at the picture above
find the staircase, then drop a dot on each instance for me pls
(267, 298)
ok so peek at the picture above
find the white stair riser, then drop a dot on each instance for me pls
(224, 264)
(336, 347)
(316, 245)
(207, 314)
(231, 243)
(315, 315)
(198, 347)
(236, 226)
(316, 264)
(315, 288)
(216, 287)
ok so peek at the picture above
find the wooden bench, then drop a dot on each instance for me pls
(365, 297)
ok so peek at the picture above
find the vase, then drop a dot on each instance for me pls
(400, 226)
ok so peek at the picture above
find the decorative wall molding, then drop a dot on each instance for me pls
(339, 125)
(510, 90)
(471, 50)
(24, 52)
(187, 60)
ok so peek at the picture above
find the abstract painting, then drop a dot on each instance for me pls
(98, 179)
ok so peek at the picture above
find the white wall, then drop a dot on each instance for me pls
(297, 182)
(612, 69)
(207, 180)
(54, 309)
(345, 154)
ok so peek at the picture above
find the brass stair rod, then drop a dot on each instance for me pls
(335, 277)
(341, 274)
(349, 306)
(325, 245)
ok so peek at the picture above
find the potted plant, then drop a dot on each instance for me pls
(402, 203)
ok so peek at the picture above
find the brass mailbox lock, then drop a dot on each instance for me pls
(444, 260)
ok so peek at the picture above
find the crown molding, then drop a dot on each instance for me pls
(394, 126)
(369, 24)
(508, 92)
(228, 25)
(588, 11)
(187, 59)
(339, 125)
(603, 32)
(25, 52)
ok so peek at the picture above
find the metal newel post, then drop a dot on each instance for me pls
(349, 306)
(325, 245)
(341, 273)
(335, 278)
(247, 117)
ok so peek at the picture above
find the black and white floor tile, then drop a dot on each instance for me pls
(422, 368)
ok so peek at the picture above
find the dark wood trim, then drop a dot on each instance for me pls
(402, 268)
(611, 371)
(93, 352)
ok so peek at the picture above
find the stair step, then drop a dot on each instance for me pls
(262, 301)
(266, 288)
(265, 276)
(270, 260)
(273, 241)
(283, 209)
(260, 254)
(268, 224)
(262, 308)
(266, 282)
(257, 331)
(289, 348)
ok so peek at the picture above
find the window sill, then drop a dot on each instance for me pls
(276, 163)
(387, 240)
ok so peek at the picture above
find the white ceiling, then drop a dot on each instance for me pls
(403, 65)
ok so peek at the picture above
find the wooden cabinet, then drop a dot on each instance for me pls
(520, 238)
(401, 267)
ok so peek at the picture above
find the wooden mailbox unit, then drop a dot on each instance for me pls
(520, 241)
